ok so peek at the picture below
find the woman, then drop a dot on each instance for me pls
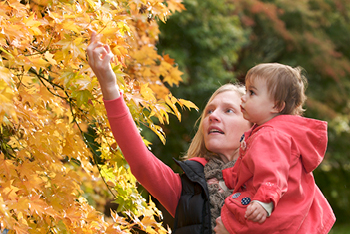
(214, 147)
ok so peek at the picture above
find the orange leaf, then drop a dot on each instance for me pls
(168, 59)
(21, 229)
(9, 191)
(6, 167)
(37, 205)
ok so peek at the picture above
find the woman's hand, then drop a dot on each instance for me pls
(220, 228)
(256, 213)
(217, 182)
(100, 56)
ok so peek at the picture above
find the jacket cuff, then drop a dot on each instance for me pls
(268, 192)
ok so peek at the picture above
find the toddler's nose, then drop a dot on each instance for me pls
(243, 98)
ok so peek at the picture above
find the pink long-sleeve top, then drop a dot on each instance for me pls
(155, 176)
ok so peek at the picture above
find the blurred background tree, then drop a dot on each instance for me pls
(215, 42)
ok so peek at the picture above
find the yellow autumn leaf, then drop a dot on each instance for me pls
(160, 90)
(6, 93)
(69, 25)
(6, 100)
(8, 190)
(123, 27)
(91, 3)
(175, 5)
(118, 219)
(187, 104)
(6, 52)
(174, 76)
(146, 55)
(159, 131)
(109, 32)
(49, 58)
(21, 229)
(148, 221)
(147, 93)
(21, 205)
(38, 62)
(171, 101)
(32, 24)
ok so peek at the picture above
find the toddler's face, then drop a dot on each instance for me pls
(257, 104)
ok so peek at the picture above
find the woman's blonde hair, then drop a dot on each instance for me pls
(285, 84)
(197, 147)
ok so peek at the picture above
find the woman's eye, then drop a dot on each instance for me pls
(209, 111)
(230, 111)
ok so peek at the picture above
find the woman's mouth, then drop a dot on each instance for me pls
(215, 130)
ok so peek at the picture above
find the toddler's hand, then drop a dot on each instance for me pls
(256, 213)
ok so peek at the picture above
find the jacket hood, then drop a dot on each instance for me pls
(310, 135)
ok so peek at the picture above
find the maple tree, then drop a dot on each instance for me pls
(59, 162)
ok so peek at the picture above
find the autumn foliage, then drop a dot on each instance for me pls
(59, 162)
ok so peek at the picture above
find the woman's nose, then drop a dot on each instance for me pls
(214, 116)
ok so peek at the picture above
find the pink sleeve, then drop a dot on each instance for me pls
(264, 169)
(159, 179)
(270, 156)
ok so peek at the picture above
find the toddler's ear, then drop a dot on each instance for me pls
(278, 108)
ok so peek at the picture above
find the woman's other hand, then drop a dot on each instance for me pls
(220, 228)
(100, 56)
(217, 182)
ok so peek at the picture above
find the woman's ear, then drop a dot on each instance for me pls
(278, 108)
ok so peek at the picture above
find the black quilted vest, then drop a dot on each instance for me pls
(193, 210)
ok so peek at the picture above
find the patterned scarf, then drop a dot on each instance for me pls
(213, 169)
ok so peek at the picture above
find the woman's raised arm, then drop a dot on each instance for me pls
(159, 179)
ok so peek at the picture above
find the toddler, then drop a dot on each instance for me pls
(274, 188)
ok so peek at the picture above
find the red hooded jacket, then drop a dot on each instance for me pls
(275, 165)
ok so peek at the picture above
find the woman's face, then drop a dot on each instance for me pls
(223, 125)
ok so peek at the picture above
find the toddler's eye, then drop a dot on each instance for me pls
(251, 92)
